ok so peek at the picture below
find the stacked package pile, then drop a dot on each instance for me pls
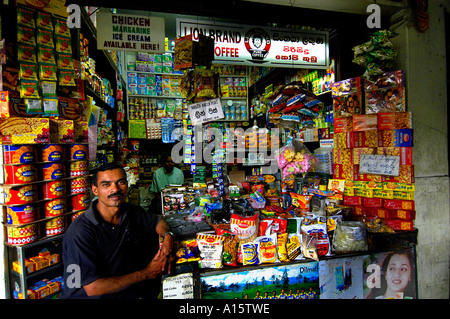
(384, 202)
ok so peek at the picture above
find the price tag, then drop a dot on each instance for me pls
(179, 287)
(206, 111)
(379, 165)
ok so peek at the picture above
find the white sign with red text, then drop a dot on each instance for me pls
(261, 46)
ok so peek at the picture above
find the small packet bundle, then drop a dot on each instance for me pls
(210, 247)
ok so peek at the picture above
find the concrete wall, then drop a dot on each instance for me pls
(423, 57)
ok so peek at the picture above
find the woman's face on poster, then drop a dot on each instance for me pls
(398, 273)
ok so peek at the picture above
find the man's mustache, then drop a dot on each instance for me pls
(115, 194)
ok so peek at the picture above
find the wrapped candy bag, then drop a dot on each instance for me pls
(295, 158)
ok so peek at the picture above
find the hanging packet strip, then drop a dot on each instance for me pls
(28, 71)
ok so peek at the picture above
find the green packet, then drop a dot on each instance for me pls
(26, 35)
(47, 71)
(28, 71)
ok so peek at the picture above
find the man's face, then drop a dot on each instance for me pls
(111, 188)
(168, 165)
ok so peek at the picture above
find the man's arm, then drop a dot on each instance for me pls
(108, 285)
(155, 268)
(165, 252)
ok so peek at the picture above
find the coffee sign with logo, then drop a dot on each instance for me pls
(264, 46)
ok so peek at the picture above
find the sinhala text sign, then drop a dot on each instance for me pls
(261, 46)
(130, 32)
(202, 112)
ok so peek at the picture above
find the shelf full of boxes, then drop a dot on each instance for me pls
(363, 142)
(48, 94)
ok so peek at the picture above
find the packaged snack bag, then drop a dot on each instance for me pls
(187, 250)
(210, 247)
(281, 247)
(350, 236)
(268, 248)
(246, 228)
(230, 247)
(322, 242)
(309, 248)
(294, 246)
(250, 253)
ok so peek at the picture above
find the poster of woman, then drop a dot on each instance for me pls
(390, 275)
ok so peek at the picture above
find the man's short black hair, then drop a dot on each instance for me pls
(105, 167)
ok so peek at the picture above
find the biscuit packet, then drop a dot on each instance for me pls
(64, 60)
(44, 20)
(47, 71)
(48, 89)
(28, 71)
(26, 35)
(25, 16)
(26, 53)
(62, 44)
(29, 89)
(45, 38)
(60, 26)
(45, 55)
(66, 77)
(50, 107)
(33, 106)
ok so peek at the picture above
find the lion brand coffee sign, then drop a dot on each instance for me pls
(130, 32)
(262, 46)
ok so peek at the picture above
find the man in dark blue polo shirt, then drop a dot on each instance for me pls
(112, 250)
